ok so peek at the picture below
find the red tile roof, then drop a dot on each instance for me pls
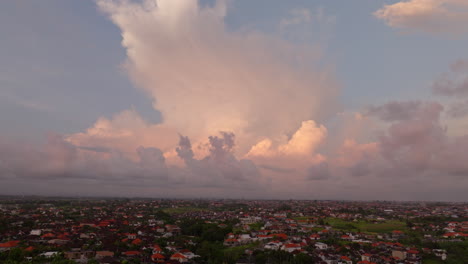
(9, 244)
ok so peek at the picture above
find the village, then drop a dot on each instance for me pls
(127, 231)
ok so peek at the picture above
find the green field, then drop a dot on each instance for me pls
(180, 210)
(363, 226)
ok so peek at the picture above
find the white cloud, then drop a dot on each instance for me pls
(435, 16)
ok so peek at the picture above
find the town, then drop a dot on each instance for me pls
(131, 231)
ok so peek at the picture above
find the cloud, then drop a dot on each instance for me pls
(125, 131)
(453, 83)
(220, 166)
(243, 114)
(400, 111)
(204, 78)
(319, 172)
(458, 110)
(296, 16)
(433, 16)
(417, 144)
(294, 154)
(59, 161)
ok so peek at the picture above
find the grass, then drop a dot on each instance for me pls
(363, 226)
(181, 210)
(239, 250)
(431, 260)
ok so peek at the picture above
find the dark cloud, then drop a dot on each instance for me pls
(419, 145)
(399, 111)
(277, 169)
(220, 166)
(61, 160)
(96, 149)
(320, 171)
(184, 150)
(362, 168)
(459, 109)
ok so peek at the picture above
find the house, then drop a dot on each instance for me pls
(49, 254)
(412, 254)
(179, 257)
(102, 254)
(231, 242)
(35, 232)
(399, 253)
(244, 238)
(275, 245)
(158, 258)
(79, 256)
(131, 253)
(321, 246)
(397, 234)
(157, 249)
(189, 254)
(366, 257)
(345, 260)
(441, 253)
(290, 247)
(314, 237)
(8, 245)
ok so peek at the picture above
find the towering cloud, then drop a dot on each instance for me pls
(435, 16)
(205, 78)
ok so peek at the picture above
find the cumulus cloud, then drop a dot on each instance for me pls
(125, 131)
(204, 78)
(434, 16)
(419, 144)
(59, 160)
(296, 153)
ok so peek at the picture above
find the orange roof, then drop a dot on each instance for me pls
(157, 256)
(48, 235)
(178, 256)
(292, 245)
(29, 249)
(131, 253)
(137, 241)
(9, 244)
(283, 236)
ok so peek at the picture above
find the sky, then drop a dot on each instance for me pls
(263, 99)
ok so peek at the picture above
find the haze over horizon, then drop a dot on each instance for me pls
(235, 99)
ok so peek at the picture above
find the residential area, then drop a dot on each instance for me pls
(131, 231)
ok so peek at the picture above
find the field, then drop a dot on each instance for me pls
(181, 210)
(363, 226)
